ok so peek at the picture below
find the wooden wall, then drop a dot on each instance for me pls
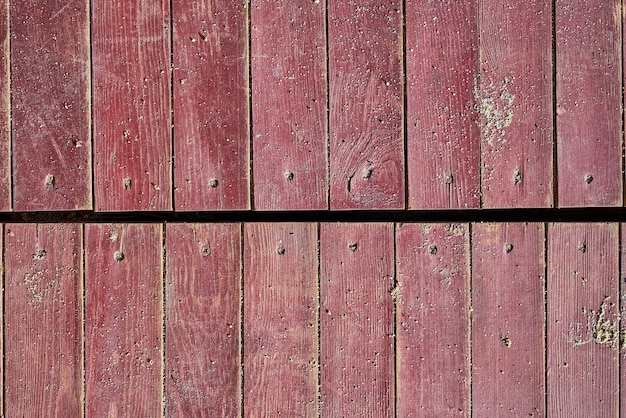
(310, 105)
(307, 319)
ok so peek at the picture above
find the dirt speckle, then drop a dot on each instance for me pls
(495, 106)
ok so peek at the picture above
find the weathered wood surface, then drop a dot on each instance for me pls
(289, 104)
(132, 120)
(124, 320)
(202, 328)
(356, 319)
(514, 98)
(5, 109)
(432, 321)
(442, 134)
(583, 326)
(50, 110)
(366, 123)
(589, 99)
(43, 322)
(508, 327)
(622, 342)
(211, 111)
(280, 319)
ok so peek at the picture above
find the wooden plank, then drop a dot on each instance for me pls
(442, 134)
(211, 111)
(5, 109)
(356, 320)
(124, 320)
(508, 320)
(202, 330)
(280, 319)
(583, 356)
(433, 314)
(589, 100)
(366, 104)
(622, 342)
(515, 103)
(50, 110)
(132, 121)
(289, 104)
(43, 321)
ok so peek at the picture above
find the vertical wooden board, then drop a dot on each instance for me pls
(589, 100)
(433, 328)
(508, 320)
(289, 104)
(211, 111)
(123, 320)
(280, 319)
(202, 329)
(622, 342)
(514, 98)
(356, 320)
(132, 121)
(583, 310)
(50, 111)
(5, 109)
(43, 321)
(366, 104)
(442, 134)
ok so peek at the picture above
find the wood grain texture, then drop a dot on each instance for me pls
(50, 110)
(280, 319)
(442, 134)
(202, 330)
(366, 104)
(433, 313)
(589, 99)
(43, 322)
(124, 320)
(289, 104)
(515, 103)
(356, 320)
(622, 342)
(508, 320)
(211, 110)
(583, 309)
(132, 121)
(5, 109)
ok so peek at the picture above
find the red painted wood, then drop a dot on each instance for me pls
(289, 104)
(589, 99)
(211, 111)
(5, 109)
(132, 121)
(50, 111)
(366, 104)
(515, 103)
(508, 320)
(202, 330)
(280, 319)
(583, 357)
(356, 320)
(43, 322)
(124, 320)
(442, 134)
(622, 347)
(432, 320)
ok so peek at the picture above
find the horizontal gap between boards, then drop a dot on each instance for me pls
(477, 215)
